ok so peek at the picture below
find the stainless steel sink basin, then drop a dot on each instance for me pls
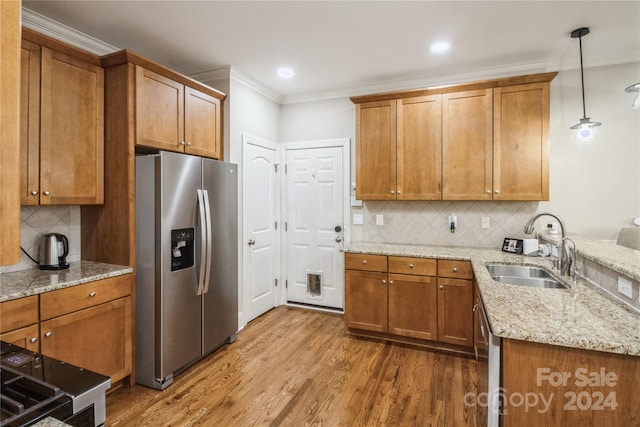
(524, 275)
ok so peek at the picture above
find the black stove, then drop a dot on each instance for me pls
(35, 386)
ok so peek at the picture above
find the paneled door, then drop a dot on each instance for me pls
(260, 243)
(315, 205)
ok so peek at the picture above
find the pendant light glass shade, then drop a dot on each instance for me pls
(585, 126)
(636, 102)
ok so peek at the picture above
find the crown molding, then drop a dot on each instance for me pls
(232, 73)
(55, 29)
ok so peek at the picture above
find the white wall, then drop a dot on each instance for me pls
(594, 186)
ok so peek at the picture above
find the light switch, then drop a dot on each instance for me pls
(379, 219)
(358, 219)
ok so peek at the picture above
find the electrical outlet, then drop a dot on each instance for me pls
(624, 287)
(379, 219)
(486, 222)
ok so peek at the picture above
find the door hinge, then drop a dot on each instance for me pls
(276, 225)
(275, 166)
(285, 168)
(286, 284)
(276, 282)
(286, 226)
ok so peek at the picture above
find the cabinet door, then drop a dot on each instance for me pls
(521, 142)
(366, 300)
(159, 111)
(24, 337)
(96, 338)
(30, 124)
(376, 150)
(455, 311)
(419, 148)
(71, 131)
(412, 306)
(202, 133)
(467, 145)
(9, 132)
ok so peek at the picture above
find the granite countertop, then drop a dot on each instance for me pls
(580, 317)
(23, 283)
(50, 422)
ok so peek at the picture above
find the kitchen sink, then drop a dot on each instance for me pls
(524, 275)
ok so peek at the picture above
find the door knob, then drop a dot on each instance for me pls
(338, 239)
(338, 228)
(251, 242)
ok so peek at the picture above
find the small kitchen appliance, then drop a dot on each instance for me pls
(54, 248)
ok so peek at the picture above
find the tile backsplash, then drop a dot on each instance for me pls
(427, 222)
(39, 220)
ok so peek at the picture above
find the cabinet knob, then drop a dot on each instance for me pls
(384, 282)
(34, 193)
(183, 143)
(475, 307)
(92, 294)
(188, 144)
(364, 261)
(441, 287)
(48, 334)
(33, 340)
(455, 269)
(391, 282)
(488, 191)
(497, 191)
(393, 192)
(410, 265)
(399, 191)
(46, 193)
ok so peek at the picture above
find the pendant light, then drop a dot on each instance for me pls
(585, 127)
(636, 102)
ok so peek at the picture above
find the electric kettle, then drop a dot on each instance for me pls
(54, 249)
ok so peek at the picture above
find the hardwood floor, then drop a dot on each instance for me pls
(297, 367)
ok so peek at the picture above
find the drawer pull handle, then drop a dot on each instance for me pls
(48, 334)
(364, 261)
(92, 294)
(33, 339)
(410, 265)
(455, 269)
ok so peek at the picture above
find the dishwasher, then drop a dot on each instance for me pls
(487, 347)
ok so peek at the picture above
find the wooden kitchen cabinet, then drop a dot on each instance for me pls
(376, 150)
(455, 302)
(521, 142)
(62, 124)
(419, 148)
(484, 140)
(19, 322)
(91, 326)
(9, 132)
(365, 292)
(172, 116)
(467, 145)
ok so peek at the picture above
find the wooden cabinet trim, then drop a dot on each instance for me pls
(59, 46)
(484, 84)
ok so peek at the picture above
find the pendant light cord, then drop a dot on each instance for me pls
(584, 108)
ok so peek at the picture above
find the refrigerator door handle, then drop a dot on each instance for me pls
(203, 240)
(207, 209)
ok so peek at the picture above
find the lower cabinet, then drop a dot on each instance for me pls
(418, 298)
(89, 325)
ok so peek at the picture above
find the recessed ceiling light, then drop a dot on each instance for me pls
(440, 47)
(285, 73)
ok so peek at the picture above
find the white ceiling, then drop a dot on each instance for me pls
(355, 47)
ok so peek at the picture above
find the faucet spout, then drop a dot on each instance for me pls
(563, 255)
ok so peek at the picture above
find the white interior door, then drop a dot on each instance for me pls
(315, 216)
(260, 243)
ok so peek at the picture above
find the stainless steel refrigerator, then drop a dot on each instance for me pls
(186, 262)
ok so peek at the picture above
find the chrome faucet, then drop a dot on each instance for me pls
(572, 261)
(563, 256)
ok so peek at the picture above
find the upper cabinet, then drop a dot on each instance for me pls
(175, 117)
(476, 141)
(62, 124)
(9, 132)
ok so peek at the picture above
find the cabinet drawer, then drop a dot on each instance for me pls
(365, 262)
(63, 301)
(417, 266)
(18, 313)
(26, 337)
(455, 269)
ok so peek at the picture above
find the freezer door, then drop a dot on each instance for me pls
(221, 292)
(179, 318)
